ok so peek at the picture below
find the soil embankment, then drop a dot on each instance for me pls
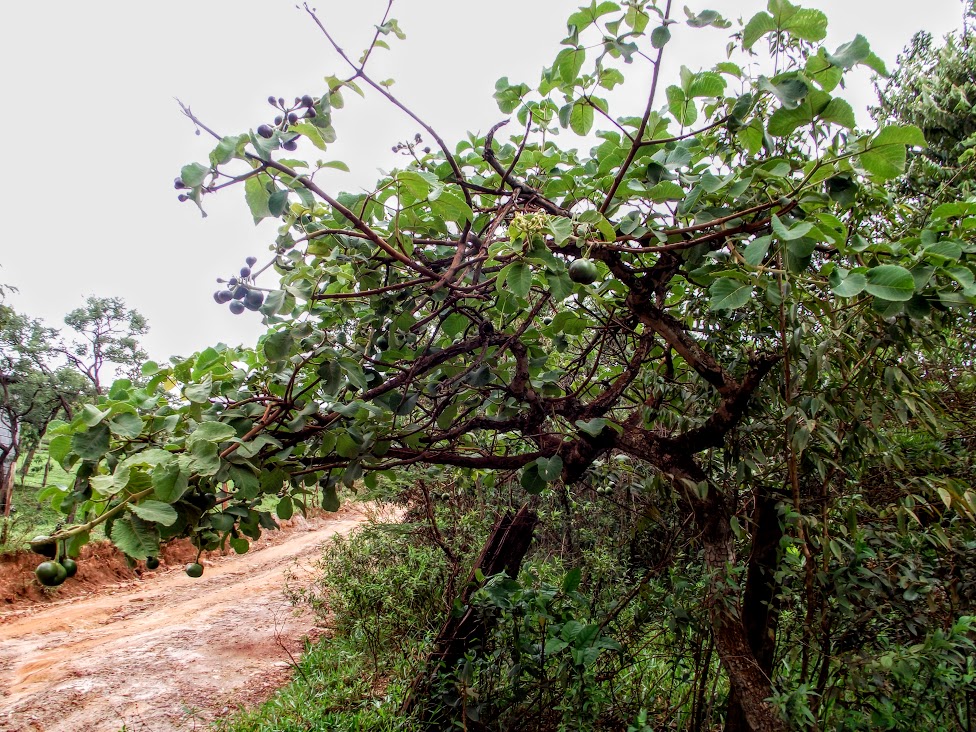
(160, 653)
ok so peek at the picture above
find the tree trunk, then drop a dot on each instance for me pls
(503, 552)
(749, 684)
(759, 611)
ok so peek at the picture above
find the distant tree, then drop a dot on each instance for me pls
(107, 333)
(34, 391)
(934, 88)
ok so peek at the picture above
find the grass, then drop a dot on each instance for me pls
(31, 517)
(334, 688)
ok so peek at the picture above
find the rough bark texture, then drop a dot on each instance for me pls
(503, 552)
(759, 613)
(748, 681)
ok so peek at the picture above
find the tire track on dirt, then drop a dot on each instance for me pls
(168, 654)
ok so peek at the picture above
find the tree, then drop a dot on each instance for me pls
(107, 334)
(33, 392)
(934, 88)
(697, 291)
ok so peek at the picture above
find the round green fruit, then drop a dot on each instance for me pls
(70, 566)
(41, 545)
(152, 562)
(583, 271)
(50, 574)
(194, 569)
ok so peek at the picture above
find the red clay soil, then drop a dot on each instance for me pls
(156, 652)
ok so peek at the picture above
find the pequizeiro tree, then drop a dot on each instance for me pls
(695, 280)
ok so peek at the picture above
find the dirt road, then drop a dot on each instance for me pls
(160, 655)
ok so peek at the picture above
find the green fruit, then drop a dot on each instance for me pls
(50, 574)
(194, 569)
(70, 566)
(152, 562)
(45, 548)
(583, 271)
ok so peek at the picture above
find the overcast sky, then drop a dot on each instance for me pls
(94, 137)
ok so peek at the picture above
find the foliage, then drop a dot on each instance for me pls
(934, 88)
(107, 333)
(756, 333)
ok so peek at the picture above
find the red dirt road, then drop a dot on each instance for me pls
(164, 654)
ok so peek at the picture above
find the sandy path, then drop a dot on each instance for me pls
(161, 655)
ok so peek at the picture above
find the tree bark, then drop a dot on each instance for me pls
(503, 552)
(748, 681)
(759, 611)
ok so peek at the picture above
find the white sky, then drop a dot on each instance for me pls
(94, 137)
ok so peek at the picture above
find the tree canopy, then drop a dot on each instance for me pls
(697, 281)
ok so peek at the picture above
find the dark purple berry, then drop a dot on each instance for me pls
(307, 101)
(237, 307)
(281, 102)
(240, 292)
(178, 184)
(234, 281)
(290, 146)
(251, 261)
(182, 197)
(292, 118)
(279, 119)
(265, 131)
(254, 300)
(222, 296)
(310, 113)
(245, 272)
(272, 101)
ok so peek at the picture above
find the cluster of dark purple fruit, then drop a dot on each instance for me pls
(240, 291)
(289, 116)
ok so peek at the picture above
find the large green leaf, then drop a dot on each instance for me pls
(885, 156)
(91, 444)
(169, 481)
(136, 538)
(729, 294)
(803, 23)
(156, 512)
(890, 282)
(126, 425)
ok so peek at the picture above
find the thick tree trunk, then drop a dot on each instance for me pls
(759, 613)
(503, 552)
(749, 683)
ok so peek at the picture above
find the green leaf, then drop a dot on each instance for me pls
(518, 278)
(278, 203)
(850, 54)
(890, 282)
(451, 207)
(755, 252)
(843, 284)
(92, 415)
(193, 174)
(803, 23)
(581, 118)
(550, 468)
(212, 432)
(91, 444)
(155, 511)
(592, 427)
(569, 62)
(59, 447)
(660, 36)
(885, 156)
(729, 294)
(789, 233)
(571, 581)
(126, 425)
(199, 393)
(169, 481)
(311, 132)
(330, 499)
(257, 197)
(285, 508)
(277, 346)
(531, 481)
(135, 537)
